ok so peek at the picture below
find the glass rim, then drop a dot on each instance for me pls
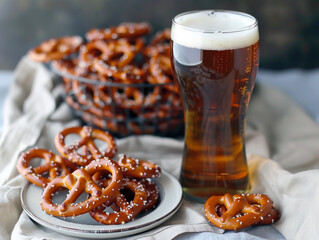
(241, 29)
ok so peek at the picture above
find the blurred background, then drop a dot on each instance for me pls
(289, 29)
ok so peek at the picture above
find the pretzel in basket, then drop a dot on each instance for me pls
(242, 210)
(115, 58)
(56, 48)
(136, 168)
(88, 135)
(78, 182)
(53, 166)
(124, 30)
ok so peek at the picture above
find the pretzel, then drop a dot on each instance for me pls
(136, 168)
(84, 92)
(88, 135)
(150, 187)
(55, 48)
(128, 210)
(53, 166)
(152, 196)
(242, 211)
(94, 51)
(124, 30)
(78, 182)
(270, 218)
(160, 68)
(120, 52)
(162, 38)
(66, 65)
(128, 74)
(160, 43)
(131, 98)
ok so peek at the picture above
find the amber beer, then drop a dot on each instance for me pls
(215, 57)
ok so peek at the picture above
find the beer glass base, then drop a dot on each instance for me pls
(202, 194)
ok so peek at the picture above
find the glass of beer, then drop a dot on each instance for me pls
(215, 57)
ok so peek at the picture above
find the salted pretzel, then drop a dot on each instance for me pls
(124, 30)
(136, 168)
(160, 43)
(128, 74)
(53, 166)
(120, 52)
(88, 135)
(153, 194)
(128, 209)
(103, 179)
(270, 218)
(243, 210)
(78, 182)
(66, 65)
(84, 92)
(56, 48)
(94, 51)
(160, 67)
(131, 98)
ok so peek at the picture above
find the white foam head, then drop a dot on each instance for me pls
(215, 30)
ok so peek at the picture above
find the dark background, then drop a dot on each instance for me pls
(289, 29)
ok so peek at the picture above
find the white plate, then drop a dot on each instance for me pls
(84, 226)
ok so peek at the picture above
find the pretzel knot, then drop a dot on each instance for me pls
(128, 210)
(136, 168)
(88, 136)
(124, 30)
(242, 210)
(56, 48)
(52, 167)
(78, 182)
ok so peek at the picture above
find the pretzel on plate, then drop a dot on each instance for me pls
(103, 179)
(128, 210)
(135, 168)
(88, 135)
(78, 182)
(53, 166)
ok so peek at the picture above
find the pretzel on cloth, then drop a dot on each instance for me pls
(243, 210)
(78, 182)
(53, 166)
(88, 135)
(270, 218)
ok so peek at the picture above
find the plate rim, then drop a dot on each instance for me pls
(116, 232)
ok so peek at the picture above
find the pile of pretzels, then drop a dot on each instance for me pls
(234, 212)
(125, 185)
(116, 79)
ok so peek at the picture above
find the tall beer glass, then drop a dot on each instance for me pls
(215, 57)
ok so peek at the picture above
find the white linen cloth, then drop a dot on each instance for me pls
(276, 129)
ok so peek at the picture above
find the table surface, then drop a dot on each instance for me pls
(302, 86)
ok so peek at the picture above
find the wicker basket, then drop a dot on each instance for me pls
(124, 109)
